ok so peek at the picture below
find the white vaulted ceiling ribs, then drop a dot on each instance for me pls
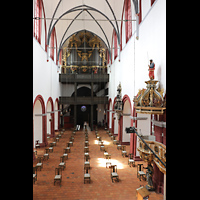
(97, 16)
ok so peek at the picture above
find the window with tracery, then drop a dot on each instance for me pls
(37, 20)
(128, 16)
(115, 45)
(53, 45)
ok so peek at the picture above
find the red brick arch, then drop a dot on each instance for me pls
(52, 116)
(120, 128)
(44, 130)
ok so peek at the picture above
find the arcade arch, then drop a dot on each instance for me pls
(126, 121)
(39, 121)
(50, 117)
(37, 125)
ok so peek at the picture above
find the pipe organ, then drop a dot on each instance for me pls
(84, 53)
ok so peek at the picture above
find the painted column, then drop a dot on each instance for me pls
(164, 187)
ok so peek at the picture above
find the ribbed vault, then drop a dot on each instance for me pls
(99, 17)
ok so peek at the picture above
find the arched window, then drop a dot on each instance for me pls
(60, 57)
(127, 26)
(39, 23)
(53, 45)
(114, 48)
(128, 16)
(140, 11)
(115, 44)
(108, 57)
(37, 20)
(152, 1)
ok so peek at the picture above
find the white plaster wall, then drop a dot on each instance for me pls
(132, 70)
(146, 4)
(126, 122)
(144, 126)
(56, 116)
(152, 45)
(45, 74)
(43, 32)
(123, 33)
(116, 125)
(48, 116)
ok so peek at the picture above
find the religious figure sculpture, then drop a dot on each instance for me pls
(151, 69)
(149, 172)
(118, 104)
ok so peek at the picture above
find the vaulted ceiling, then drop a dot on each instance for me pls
(97, 16)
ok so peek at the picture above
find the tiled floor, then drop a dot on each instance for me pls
(72, 185)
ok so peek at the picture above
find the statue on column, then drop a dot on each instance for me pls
(151, 69)
(118, 104)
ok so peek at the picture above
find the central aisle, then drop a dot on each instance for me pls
(101, 186)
